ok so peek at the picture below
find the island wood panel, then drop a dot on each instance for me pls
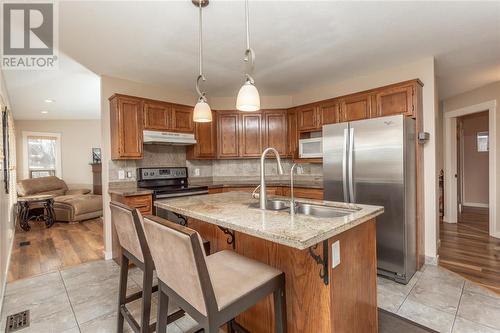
(251, 135)
(354, 281)
(211, 233)
(307, 297)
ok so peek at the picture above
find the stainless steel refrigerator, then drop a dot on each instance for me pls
(373, 162)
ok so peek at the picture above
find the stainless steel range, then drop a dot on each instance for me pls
(167, 183)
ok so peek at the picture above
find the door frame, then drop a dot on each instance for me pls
(450, 163)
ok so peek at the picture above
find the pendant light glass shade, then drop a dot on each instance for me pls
(248, 98)
(202, 112)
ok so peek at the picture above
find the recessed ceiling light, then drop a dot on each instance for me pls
(49, 100)
(44, 112)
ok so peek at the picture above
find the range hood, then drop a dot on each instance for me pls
(168, 138)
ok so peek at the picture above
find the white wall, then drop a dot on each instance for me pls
(110, 86)
(6, 200)
(78, 137)
(424, 70)
(485, 94)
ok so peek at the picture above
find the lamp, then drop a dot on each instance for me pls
(202, 112)
(248, 97)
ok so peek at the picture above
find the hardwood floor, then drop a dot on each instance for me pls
(62, 245)
(467, 249)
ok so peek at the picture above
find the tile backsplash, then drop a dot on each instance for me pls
(162, 155)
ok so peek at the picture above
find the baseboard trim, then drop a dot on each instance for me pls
(475, 204)
(447, 220)
(2, 295)
(495, 234)
(432, 260)
(108, 255)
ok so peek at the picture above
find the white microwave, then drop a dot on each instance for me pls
(311, 148)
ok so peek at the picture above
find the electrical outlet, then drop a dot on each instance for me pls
(121, 174)
(197, 171)
(335, 254)
(300, 170)
(129, 174)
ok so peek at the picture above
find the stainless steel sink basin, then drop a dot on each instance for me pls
(322, 211)
(273, 204)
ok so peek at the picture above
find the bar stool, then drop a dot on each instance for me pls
(128, 225)
(212, 289)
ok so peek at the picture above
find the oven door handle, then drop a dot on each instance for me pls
(185, 194)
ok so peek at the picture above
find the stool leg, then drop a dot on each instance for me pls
(147, 290)
(122, 294)
(280, 310)
(230, 326)
(162, 316)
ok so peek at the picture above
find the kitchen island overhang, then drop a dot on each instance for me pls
(300, 246)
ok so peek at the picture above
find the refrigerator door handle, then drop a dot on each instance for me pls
(344, 165)
(352, 195)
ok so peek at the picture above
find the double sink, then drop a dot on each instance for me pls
(315, 210)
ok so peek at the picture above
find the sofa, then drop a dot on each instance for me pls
(69, 205)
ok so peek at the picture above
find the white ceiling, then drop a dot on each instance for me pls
(297, 43)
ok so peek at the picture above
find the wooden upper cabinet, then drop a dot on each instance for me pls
(292, 135)
(228, 130)
(355, 107)
(395, 100)
(206, 140)
(275, 130)
(157, 116)
(308, 118)
(182, 118)
(329, 112)
(251, 135)
(126, 126)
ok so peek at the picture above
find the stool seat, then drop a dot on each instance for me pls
(233, 276)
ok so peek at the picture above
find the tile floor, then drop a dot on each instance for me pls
(442, 300)
(83, 299)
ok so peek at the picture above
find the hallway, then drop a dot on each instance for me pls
(467, 249)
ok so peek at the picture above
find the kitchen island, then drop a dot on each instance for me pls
(319, 298)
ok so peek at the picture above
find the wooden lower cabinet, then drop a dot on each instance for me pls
(143, 202)
(347, 304)
(305, 193)
(299, 192)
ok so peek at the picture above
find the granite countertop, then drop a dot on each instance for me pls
(231, 210)
(128, 191)
(255, 182)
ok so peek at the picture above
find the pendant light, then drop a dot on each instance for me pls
(248, 97)
(202, 112)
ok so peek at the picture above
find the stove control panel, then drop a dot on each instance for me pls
(161, 173)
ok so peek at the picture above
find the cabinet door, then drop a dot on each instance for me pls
(251, 135)
(127, 128)
(228, 135)
(355, 107)
(292, 137)
(329, 112)
(156, 116)
(206, 145)
(182, 119)
(307, 117)
(275, 130)
(395, 100)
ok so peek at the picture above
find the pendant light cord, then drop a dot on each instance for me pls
(200, 45)
(249, 52)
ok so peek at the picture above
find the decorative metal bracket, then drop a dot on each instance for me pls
(323, 261)
(230, 236)
(184, 221)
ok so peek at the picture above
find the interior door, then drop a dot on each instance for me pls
(460, 164)
(335, 162)
(377, 178)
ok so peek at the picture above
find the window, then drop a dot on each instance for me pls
(42, 154)
(482, 142)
